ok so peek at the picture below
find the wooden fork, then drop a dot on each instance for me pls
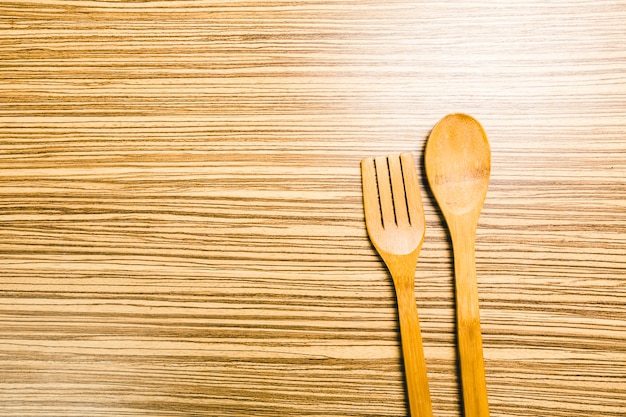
(394, 217)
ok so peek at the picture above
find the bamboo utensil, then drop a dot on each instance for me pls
(394, 217)
(458, 162)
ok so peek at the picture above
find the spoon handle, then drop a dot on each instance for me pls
(470, 343)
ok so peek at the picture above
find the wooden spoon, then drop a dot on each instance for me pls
(458, 162)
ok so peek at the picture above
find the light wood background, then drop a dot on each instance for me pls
(181, 224)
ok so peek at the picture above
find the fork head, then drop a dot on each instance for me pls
(394, 214)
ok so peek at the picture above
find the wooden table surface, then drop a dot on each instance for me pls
(181, 221)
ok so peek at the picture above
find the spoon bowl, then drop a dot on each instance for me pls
(458, 161)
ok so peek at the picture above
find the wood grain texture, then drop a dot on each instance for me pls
(181, 221)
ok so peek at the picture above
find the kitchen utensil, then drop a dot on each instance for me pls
(394, 218)
(458, 162)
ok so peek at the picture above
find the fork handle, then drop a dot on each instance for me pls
(413, 351)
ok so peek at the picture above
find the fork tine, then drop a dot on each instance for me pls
(370, 195)
(384, 191)
(413, 196)
(397, 188)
